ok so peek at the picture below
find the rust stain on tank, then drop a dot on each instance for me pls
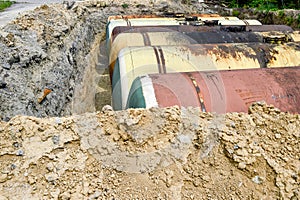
(131, 17)
(239, 88)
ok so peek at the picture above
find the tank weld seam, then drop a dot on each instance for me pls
(199, 93)
(127, 21)
(146, 39)
(162, 58)
(157, 59)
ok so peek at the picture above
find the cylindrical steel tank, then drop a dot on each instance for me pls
(176, 38)
(219, 91)
(138, 22)
(136, 61)
(159, 22)
(203, 37)
(170, 15)
(188, 28)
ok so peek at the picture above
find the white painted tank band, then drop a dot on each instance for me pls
(148, 91)
(123, 79)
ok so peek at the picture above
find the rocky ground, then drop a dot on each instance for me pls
(58, 147)
(152, 154)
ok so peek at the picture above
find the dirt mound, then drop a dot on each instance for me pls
(152, 154)
(60, 47)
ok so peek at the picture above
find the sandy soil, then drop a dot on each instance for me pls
(152, 154)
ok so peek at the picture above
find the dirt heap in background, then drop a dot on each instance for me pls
(61, 47)
(152, 154)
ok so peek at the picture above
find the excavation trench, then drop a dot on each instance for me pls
(52, 63)
(94, 92)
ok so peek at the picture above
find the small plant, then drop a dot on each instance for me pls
(281, 14)
(235, 13)
(5, 4)
(289, 20)
(125, 5)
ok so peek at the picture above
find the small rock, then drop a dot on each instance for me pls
(50, 167)
(257, 179)
(2, 84)
(242, 165)
(185, 139)
(55, 193)
(58, 121)
(14, 59)
(3, 178)
(107, 108)
(13, 166)
(51, 177)
(20, 152)
(55, 139)
(242, 152)
(277, 136)
(6, 66)
(65, 196)
(31, 180)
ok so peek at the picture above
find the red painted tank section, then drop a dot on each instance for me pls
(231, 91)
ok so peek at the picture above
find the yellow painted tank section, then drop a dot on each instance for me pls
(137, 39)
(295, 36)
(285, 55)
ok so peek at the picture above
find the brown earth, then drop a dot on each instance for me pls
(135, 154)
(152, 154)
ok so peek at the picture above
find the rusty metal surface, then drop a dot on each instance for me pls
(170, 15)
(176, 38)
(130, 17)
(219, 56)
(138, 61)
(230, 91)
(188, 28)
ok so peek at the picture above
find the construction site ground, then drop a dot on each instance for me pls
(72, 145)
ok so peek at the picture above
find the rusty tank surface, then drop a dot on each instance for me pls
(137, 61)
(165, 21)
(190, 28)
(187, 17)
(176, 38)
(219, 91)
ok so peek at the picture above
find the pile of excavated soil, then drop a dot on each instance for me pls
(61, 48)
(167, 153)
(152, 154)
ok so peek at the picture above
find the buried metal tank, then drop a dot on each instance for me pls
(136, 61)
(209, 37)
(162, 21)
(219, 91)
(189, 28)
(170, 15)
(176, 38)
(138, 22)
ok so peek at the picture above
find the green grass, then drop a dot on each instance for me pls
(5, 4)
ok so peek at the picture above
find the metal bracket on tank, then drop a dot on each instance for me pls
(275, 38)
